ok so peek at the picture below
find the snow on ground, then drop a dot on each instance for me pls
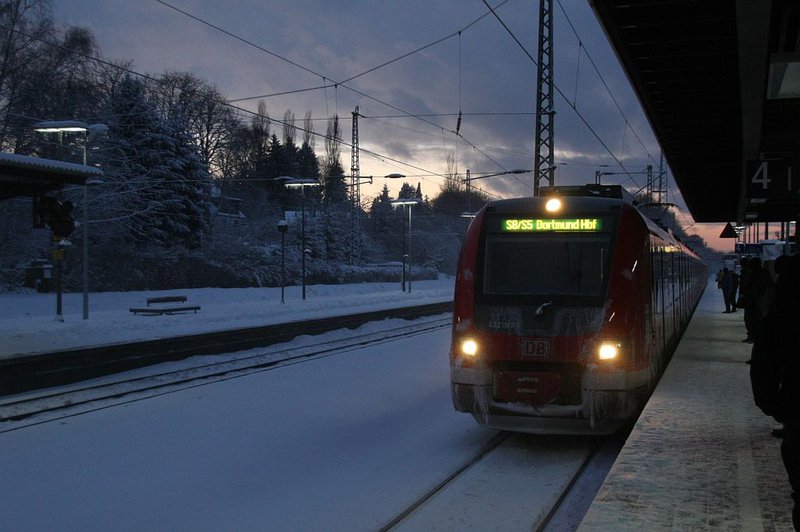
(701, 456)
(343, 442)
(28, 321)
(338, 443)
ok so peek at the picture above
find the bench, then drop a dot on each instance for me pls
(158, 311)
(166, 299)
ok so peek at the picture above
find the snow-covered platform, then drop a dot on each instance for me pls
(701, 456)
(28, 325)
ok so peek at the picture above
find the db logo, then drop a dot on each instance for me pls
(536, 348)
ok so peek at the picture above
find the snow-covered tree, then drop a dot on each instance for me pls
(161, 187)
(208, 120)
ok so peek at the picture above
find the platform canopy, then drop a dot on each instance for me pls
(719, 81)
(23, 175)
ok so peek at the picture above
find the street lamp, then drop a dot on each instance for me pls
(294, 182)
(406, 254)
(76, 126)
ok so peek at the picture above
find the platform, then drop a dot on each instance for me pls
(701, 456)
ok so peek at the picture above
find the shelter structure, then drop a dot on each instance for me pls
(23, 175)
(719, 81)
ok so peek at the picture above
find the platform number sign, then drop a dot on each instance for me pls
(773, 178)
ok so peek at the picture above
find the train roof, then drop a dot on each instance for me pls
(581, 197)
(576, 203)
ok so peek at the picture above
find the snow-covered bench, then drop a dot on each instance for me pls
(159, 310)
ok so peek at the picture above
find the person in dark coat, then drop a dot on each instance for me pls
(775, 369)
(744, 283)
(726, 285)
(754, 290)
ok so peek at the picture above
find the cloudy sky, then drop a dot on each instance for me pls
(326, 57)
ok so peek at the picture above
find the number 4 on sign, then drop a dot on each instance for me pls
(761, 175)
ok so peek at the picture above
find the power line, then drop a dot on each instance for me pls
(335, 85)
(602, 79)
(239, 109)
(238, 38)
(342, 83)
(561, 93)
(351, 78)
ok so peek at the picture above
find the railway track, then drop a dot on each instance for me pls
(574, 501)
(580, 470)
(490, 446)
(44, 406)
(581, 465)
(41, 370)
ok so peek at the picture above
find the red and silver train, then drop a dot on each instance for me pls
(567, 307)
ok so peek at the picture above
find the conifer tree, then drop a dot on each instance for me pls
(161, 182)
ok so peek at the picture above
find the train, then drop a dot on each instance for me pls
(567, 307)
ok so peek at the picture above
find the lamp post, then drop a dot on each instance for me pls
(283, 227)
(76, 126)
(406, 254)
(293, 182)
(397, 175)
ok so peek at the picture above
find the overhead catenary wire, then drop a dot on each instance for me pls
(325, 81)
(337, 84)
(602, 79)
(561, 93)
(351, 78)
(326, 85)
(605, 85)
(236, 108)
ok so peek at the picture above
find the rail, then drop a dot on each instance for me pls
(68, 401)
(43, 370)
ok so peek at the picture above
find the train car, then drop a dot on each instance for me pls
(567, 307)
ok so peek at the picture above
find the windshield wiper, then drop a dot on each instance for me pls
(574, 276)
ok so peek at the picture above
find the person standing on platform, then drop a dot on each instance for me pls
(726, 285)
(775, 369)
(755, 290)
(744, 285)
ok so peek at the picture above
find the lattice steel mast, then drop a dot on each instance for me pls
(544, 167)
(355, 196)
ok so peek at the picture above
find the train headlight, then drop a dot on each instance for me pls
(469, 347)
(609, 350)
(553, 205)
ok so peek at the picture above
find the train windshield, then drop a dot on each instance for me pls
(549, 265)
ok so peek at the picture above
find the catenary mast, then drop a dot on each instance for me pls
(544, 167)
(355, 196)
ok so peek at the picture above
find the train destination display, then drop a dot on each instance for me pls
(555, 224)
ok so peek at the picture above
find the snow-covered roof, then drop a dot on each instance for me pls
(23, 175)
(13, 160)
